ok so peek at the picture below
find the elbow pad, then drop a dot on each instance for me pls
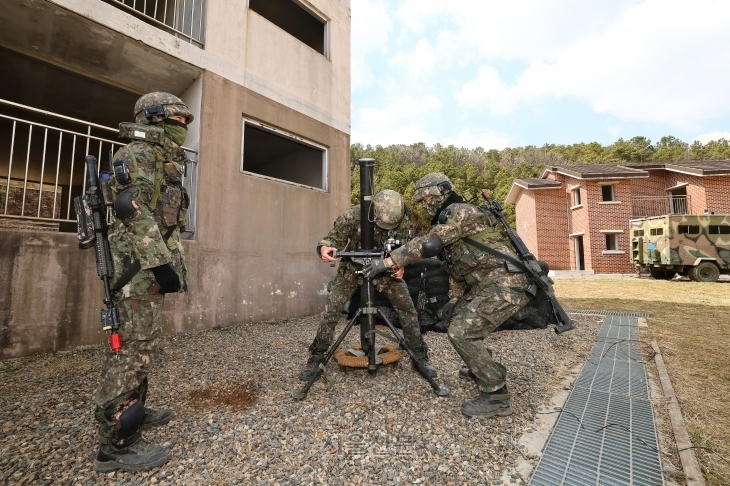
(432, 246)
(124, 206)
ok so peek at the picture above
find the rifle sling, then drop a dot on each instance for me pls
(136, 266)
(499, 254)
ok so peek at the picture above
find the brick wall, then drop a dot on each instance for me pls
(612, 216)
(552, 223)
(525, 220)
(717, 194)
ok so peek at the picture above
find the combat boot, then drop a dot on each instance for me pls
(311, 368)
(422, 356)
(466, 373)
(494, 404)
(143, 455)
(155, 418)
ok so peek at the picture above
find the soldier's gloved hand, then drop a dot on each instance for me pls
(375, 268)
(167, 278)
(446, 311)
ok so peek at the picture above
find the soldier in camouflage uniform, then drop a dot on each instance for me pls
(482, 293)
(150, 205)
(390, 221)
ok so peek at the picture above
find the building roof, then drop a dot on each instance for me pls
(530, 183)
(701, 168)
(694, 167)
(598, 171)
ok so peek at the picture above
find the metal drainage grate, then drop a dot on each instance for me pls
(605, 434)
(608, 313)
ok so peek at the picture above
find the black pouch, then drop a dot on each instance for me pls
(84, 223)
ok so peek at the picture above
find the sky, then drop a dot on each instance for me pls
(496, 74)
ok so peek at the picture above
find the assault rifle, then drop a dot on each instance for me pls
(91, 219)
(528, 264)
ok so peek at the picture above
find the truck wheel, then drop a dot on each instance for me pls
(704, 272)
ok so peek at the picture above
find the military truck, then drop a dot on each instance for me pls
(694, 246)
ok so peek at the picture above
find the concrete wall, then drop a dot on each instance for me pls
(253, 257)
(253, 254)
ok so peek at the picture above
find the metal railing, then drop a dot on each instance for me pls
(44, 169)
(182, 18)
(645, 206)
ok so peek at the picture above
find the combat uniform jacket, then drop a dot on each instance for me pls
(345, 236)
(140, 236)
(466, 264)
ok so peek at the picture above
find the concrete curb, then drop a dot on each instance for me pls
(691, 467)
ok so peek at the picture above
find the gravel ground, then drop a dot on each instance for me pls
(236, 422)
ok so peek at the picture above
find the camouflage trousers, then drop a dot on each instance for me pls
(476, 315)
(344, 285)
(125, 374)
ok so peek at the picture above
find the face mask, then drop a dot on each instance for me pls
(175, 131)
(432, 206)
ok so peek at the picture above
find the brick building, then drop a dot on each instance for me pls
(577, 217)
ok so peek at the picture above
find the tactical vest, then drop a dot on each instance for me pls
(462, 258)
(169, 201)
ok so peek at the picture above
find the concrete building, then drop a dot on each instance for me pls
(269, 83)
(577, 217)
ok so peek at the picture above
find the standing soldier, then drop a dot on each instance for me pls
(483, 294)
(150, 206)
(391, 221)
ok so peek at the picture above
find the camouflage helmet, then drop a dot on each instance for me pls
(389, 209)
(155, 107)
(433, 184)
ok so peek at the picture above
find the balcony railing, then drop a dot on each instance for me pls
(182, 18)
(659, 205)
(42, 166)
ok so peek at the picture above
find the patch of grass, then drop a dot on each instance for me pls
(691, 323)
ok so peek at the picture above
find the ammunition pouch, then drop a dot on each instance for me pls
(121, 172)
(84, 222)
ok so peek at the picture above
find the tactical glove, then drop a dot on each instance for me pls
(446, 311)
(375, 268)
(167, 278)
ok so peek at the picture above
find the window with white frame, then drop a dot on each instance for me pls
(270, 152)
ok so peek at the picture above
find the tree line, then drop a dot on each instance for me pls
(400, 166)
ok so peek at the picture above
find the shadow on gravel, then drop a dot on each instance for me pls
(236, 396)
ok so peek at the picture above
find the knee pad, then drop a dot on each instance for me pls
(130, 420)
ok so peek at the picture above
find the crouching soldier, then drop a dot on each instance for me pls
(483, 294)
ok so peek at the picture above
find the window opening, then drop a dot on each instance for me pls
(293, 18)
(279, 155)
(716, 229)
(607, 192)
(656, 231)
(612, 241)
(638, 232)
(688, 229)
(576, 197)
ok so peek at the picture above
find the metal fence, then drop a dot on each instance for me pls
(42, 167)
(644, 206)
(182, 18)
